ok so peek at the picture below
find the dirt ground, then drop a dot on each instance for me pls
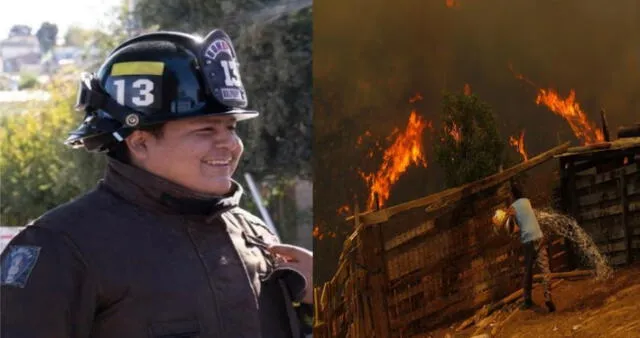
(585, 308)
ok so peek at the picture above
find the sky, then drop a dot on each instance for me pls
(64, 13)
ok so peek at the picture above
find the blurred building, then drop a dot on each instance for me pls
(20, 54)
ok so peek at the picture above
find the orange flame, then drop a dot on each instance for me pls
(416, 98)
(366, 133)
(570, 110)
(451, 3)
(454, 131)
(344, 210)
(405, 150)
(519, 145)
(467, 89)
(320, 235)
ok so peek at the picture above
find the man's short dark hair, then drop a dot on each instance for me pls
(121, 151)
(516, 190)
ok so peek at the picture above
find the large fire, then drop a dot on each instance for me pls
(518, 143)
(568, 109)
(405, 150)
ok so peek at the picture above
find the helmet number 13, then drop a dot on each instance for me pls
(231, 75)
(144, 96)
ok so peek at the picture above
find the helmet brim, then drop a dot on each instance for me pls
(239, 114)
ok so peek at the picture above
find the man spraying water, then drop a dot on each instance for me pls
(520, 219)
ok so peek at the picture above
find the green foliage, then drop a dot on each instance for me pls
(78, 36)
(47, 34)
(27, 81)
(38, 171)
(478, 151)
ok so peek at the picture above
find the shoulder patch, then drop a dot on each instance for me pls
(18, 264)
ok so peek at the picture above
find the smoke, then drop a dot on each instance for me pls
(371, 56)
(377, 55)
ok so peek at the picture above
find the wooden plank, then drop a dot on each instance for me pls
(607, 194)
(568, 274)
(568, 202)
(595, 213)
(424, 311)
(600, 213)
(405, 266)
(370, 244)
(454, 194)
(418, 275)
(621, 145)
(583, 181)
(604, 194)
(403, 238)
(595, 146)
(633, 206)
(618, 259)
(472, 279)
(613, 247)
(625, 214)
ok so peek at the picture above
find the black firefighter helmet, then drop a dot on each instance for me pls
(158, 77)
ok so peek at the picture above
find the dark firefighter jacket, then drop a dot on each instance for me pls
(142, 257)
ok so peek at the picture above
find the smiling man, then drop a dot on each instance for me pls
(160, 248)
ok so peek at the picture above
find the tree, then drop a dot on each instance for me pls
(47, 34)
(470, 146)
(38, 171)
(27, 81)
(77, 36)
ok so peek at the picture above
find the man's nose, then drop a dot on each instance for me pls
(227, 140)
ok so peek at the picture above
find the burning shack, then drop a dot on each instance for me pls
(600, 187)
(409, 267)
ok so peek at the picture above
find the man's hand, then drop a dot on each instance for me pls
(299, 259)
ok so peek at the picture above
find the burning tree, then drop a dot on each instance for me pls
(470, 146)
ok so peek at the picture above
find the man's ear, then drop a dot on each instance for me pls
(137, 144)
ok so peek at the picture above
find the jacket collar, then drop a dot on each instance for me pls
(150, 191)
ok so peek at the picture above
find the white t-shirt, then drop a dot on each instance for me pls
(527, 221)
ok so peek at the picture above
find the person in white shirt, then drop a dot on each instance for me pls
(534, 245)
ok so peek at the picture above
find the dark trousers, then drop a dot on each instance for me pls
(536, 252)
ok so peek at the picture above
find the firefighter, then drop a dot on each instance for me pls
(160, 247)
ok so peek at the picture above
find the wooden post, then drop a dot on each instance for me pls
(605, 125)
(372, 254)
(572, 204)
(628, 232)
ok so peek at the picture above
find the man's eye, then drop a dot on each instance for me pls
(232, 127)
